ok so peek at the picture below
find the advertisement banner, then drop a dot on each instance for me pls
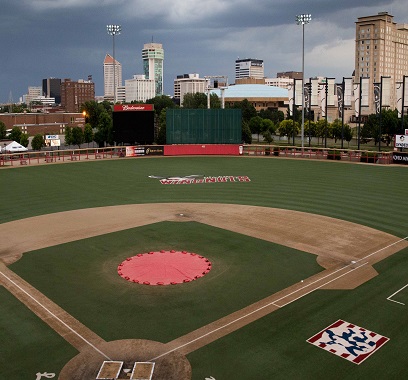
(400, 158)
(154, 150)
(401, 141)
(133, 107)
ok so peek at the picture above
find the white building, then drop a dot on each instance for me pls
(139, 89)
(111, 66)
(249, 68)
(279, 82)
(188, 84)
(153, 57)
(33, 93)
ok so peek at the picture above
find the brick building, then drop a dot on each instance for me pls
(44, 123)
(74, 94)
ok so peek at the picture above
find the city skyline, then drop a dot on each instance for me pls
(68, 39)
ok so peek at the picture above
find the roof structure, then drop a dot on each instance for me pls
(252, 91)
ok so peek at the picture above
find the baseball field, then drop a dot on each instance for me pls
(308, 276)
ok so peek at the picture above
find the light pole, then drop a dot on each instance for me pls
(302, 20)
(113, 30)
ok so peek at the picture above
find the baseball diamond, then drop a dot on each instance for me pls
(276, 259)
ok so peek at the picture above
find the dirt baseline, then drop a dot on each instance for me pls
(336, 243)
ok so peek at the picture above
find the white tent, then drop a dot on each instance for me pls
(13, 147)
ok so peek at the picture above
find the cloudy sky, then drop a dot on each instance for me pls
(68, 38)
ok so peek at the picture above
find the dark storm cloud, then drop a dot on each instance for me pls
(68, 39)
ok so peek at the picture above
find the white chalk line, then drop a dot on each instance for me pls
(54, 316)
(392, 295)
(286, 296)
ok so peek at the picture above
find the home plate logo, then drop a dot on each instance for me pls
(348, 341)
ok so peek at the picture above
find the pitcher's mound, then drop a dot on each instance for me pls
(164, 267)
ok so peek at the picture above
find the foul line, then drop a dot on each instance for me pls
(389, 298)
(58, 319)
(273, 302)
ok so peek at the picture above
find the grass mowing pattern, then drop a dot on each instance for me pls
(28, 345)
(364, 194)
(275, 346)
(82, 278)
(272, 347)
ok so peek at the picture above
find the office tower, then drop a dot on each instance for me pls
(153, 57)
(381, 50)
(249, 68)
(74, 94)
(188, 83)
(111, 68)
(139, 89)
(51, 88)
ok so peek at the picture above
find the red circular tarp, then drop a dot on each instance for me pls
(164, 267)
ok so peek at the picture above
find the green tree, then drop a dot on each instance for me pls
(274, 115)
(195, 101)
(24, 140)
(248, 110)
(37, 142)
(255, 124)
(348, 133)
(104, 129)
(161, 136)
(288, 128)
(390, 125)
(3, 130)
(15, 134)
(160, 103)
(246, 134)
(77, 136)
(88, 133)
(370, 129)
(68, 136)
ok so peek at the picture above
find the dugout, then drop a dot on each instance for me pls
(133, 124)
(203, 126)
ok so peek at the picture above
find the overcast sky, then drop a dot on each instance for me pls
(68, 38)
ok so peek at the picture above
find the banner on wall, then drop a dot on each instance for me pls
(133, 151)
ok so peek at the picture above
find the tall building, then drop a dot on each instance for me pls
(249, 68)
(153, 57)
(188, 83)
(51, 88)
(111, 66)
(33, 93)
(74, 94)
(139, 89)
(381, 50)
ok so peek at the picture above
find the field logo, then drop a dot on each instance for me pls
(198, 178)
(348, 341)
(45, 374)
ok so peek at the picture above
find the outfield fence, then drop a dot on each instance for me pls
(75, 155)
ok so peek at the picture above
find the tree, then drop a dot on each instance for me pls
(348, 133)
(255, 125)
(68, 136)
(37, 142)
(246, 134)
(248, 110)
(3, 130)
(77, 136)
(88, 133)
(104, 133)
(160, 103)
(370, 129)
(274, 115)
(390, 125)
(161, 136)
(24, 140)
(288, 128)
(195, 101)
(15, 134)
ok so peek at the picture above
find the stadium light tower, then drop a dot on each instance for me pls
(113, 30)
(302, 20)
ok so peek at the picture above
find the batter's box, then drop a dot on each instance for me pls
(142, 371)
(348, 341)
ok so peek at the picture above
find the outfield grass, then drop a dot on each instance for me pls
(81, 276)
(372, 195)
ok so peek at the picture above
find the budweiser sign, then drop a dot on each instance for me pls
(133, 107)
(196, 178)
